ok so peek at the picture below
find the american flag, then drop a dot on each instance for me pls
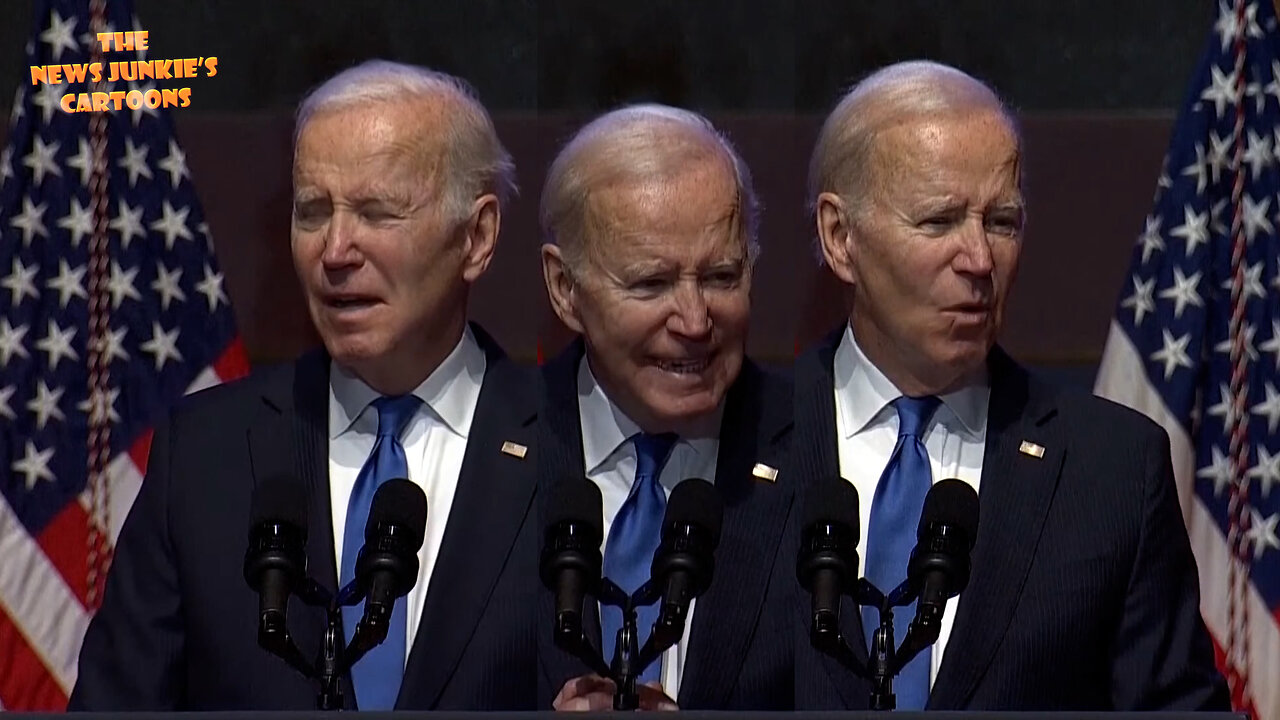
(111, 307)
(1195, 343)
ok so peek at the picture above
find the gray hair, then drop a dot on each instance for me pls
(475, 160)
(635, 143)
(841, 161)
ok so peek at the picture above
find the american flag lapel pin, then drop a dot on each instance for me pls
(515, 450)
(1029, 448)
(765, 472)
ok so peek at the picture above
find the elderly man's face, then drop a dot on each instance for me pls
(934, 253)
(663, 299)
(380, 263)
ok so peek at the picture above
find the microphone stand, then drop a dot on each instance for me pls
(629, 660)
(335, 657)
(884, 662)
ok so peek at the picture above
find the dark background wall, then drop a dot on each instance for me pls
(1096, 82)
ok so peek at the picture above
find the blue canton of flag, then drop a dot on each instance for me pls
(168, 329)
(1168, 352)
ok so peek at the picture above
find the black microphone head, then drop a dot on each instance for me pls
(280, 499)
(835, 500)
(953, 503)
(695, 502)
(829, 537)
(401, 503)
(578, 501)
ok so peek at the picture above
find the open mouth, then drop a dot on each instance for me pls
(684, 367)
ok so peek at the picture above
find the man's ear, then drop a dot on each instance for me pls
(561, 287)
(481, 236)
(835, 235)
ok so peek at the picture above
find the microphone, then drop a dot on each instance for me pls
(939, 566)
(685, 558)
(387, 566)
(275, 563)
(828, 563)
(571, 565)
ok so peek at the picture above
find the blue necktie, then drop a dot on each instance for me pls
(377, 675)
(633, 538)
(895, 515)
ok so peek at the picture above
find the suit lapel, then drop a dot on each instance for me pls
(1014, 499)
(560, 458)
(757, 418)
(817, 456)
(290, 437)
(495, 489)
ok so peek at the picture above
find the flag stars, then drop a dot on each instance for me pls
(1183, 292)
(173, 223)
(1224, 409)
(69, 283)
(58, 36)
(34, 465)
(211, 288)
(1273, 345)
(6, 410)
(111, 345)
(1257, 153)
(1219, 157)
(1250, 351)
(175, 163)
(1252, 286)
(163, 346)
(1262, 533)
(1269, 408)
(20, 282)
(1141, 300)
(128, 222)
(30, 221)
(120, 284)
(1218, 471)
(1150, 239)
(78, 221)
(135, 161)
(1228, 27)
(45, 405)
(43, 159)
(1194, 229)
(83, 161)
(1173, 354)
(11, 341)
(1221, 91)
(1254, 217)
(57, 344)
(48, 97)
(1198, 169)
(101, 406)
(167, 284)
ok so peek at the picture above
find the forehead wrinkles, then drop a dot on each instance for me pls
(370, 149)
(975, 157)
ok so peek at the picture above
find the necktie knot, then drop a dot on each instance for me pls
(651, 453)
(394, 413)
(914, 414)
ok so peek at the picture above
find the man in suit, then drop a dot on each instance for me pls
(1083, 593)
(399, 182)
(649, 217)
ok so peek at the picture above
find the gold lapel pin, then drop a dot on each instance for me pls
(515, 450)
(1029, 448)
(764, 472)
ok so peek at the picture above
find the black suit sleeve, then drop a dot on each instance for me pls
(1163, 658)
(132, 653)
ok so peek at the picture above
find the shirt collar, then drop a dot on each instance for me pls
(451, 391)
(863, 392)
(605, 428)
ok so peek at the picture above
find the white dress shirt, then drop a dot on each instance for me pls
(611, 464)
(434, 440)
(867, 430)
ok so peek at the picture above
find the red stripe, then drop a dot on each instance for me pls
(25, 683)
(233, 362)
(1239, 702)
(141, 450)
(65, 540)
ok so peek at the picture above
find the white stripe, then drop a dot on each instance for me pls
(206, 379)
(123, 483)
(38, 601)
(1121, 378)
